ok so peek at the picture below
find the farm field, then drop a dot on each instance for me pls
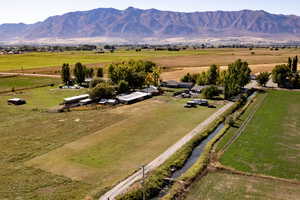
(86, 140)
(223, 186)
(270, 143)
(175, 63)
(22, 82)
(27, 132)
(268, 146)
(39, 60)
(149, 129)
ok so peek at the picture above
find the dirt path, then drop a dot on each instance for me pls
(125, 184)
(34, 75)
(219, 167)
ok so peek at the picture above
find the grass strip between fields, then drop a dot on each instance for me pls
(156, 180)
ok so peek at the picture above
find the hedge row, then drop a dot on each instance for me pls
(156, 180)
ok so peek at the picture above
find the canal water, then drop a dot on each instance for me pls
(191, 160)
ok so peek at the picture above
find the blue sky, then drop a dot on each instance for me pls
(30, 11)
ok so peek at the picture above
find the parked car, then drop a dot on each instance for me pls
(211, 106)
(112, 102)
(103, 101)
(200, 102)
(16, 101)
(187, 105)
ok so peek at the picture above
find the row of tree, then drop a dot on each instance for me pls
(233, 79)
(125, 76)
(287, 75)
(80, 72)
(135, 74)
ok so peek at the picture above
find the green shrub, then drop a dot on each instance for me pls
(102, 90)
(210, 92)
(123, 87)
(95, 82)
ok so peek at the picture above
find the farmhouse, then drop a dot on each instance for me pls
(133, 97)
(198, 88)
(175, 84)
(152, 90)
(76, 99)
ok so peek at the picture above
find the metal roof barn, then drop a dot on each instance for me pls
(76, 99)
(133, 97)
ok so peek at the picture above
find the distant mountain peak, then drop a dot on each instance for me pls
(138, 23)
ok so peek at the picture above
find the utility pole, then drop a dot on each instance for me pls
(143, 183)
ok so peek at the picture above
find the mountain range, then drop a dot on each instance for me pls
(137, 23)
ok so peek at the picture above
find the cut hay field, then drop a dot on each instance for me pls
(223, 186)
(183, 61)
(270, 143)
(42, 60)
(91, 149)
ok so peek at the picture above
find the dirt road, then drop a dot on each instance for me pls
(125, 184)
(34, 75)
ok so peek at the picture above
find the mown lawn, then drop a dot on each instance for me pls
(20, 82)
(222, 186)
(270, 143)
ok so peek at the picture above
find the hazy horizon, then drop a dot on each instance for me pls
(32, 11)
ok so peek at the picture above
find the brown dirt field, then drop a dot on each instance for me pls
(179, 72)
(221, 57)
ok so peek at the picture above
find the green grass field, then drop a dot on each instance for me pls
(232, 130)
(126, 136)
(270, 143)
(21, 82)
(37, 60)
(222, 186)
(27, 132)
(111, 154)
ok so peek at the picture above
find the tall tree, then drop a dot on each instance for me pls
(202, 79)
(102, 90)
(294, 68)
(290, 63)
(156, 75)
(65, 73)
(100, 72)
(212, 75)
(79, 73)
(280, 75)
(263, 78)
(237, 76)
